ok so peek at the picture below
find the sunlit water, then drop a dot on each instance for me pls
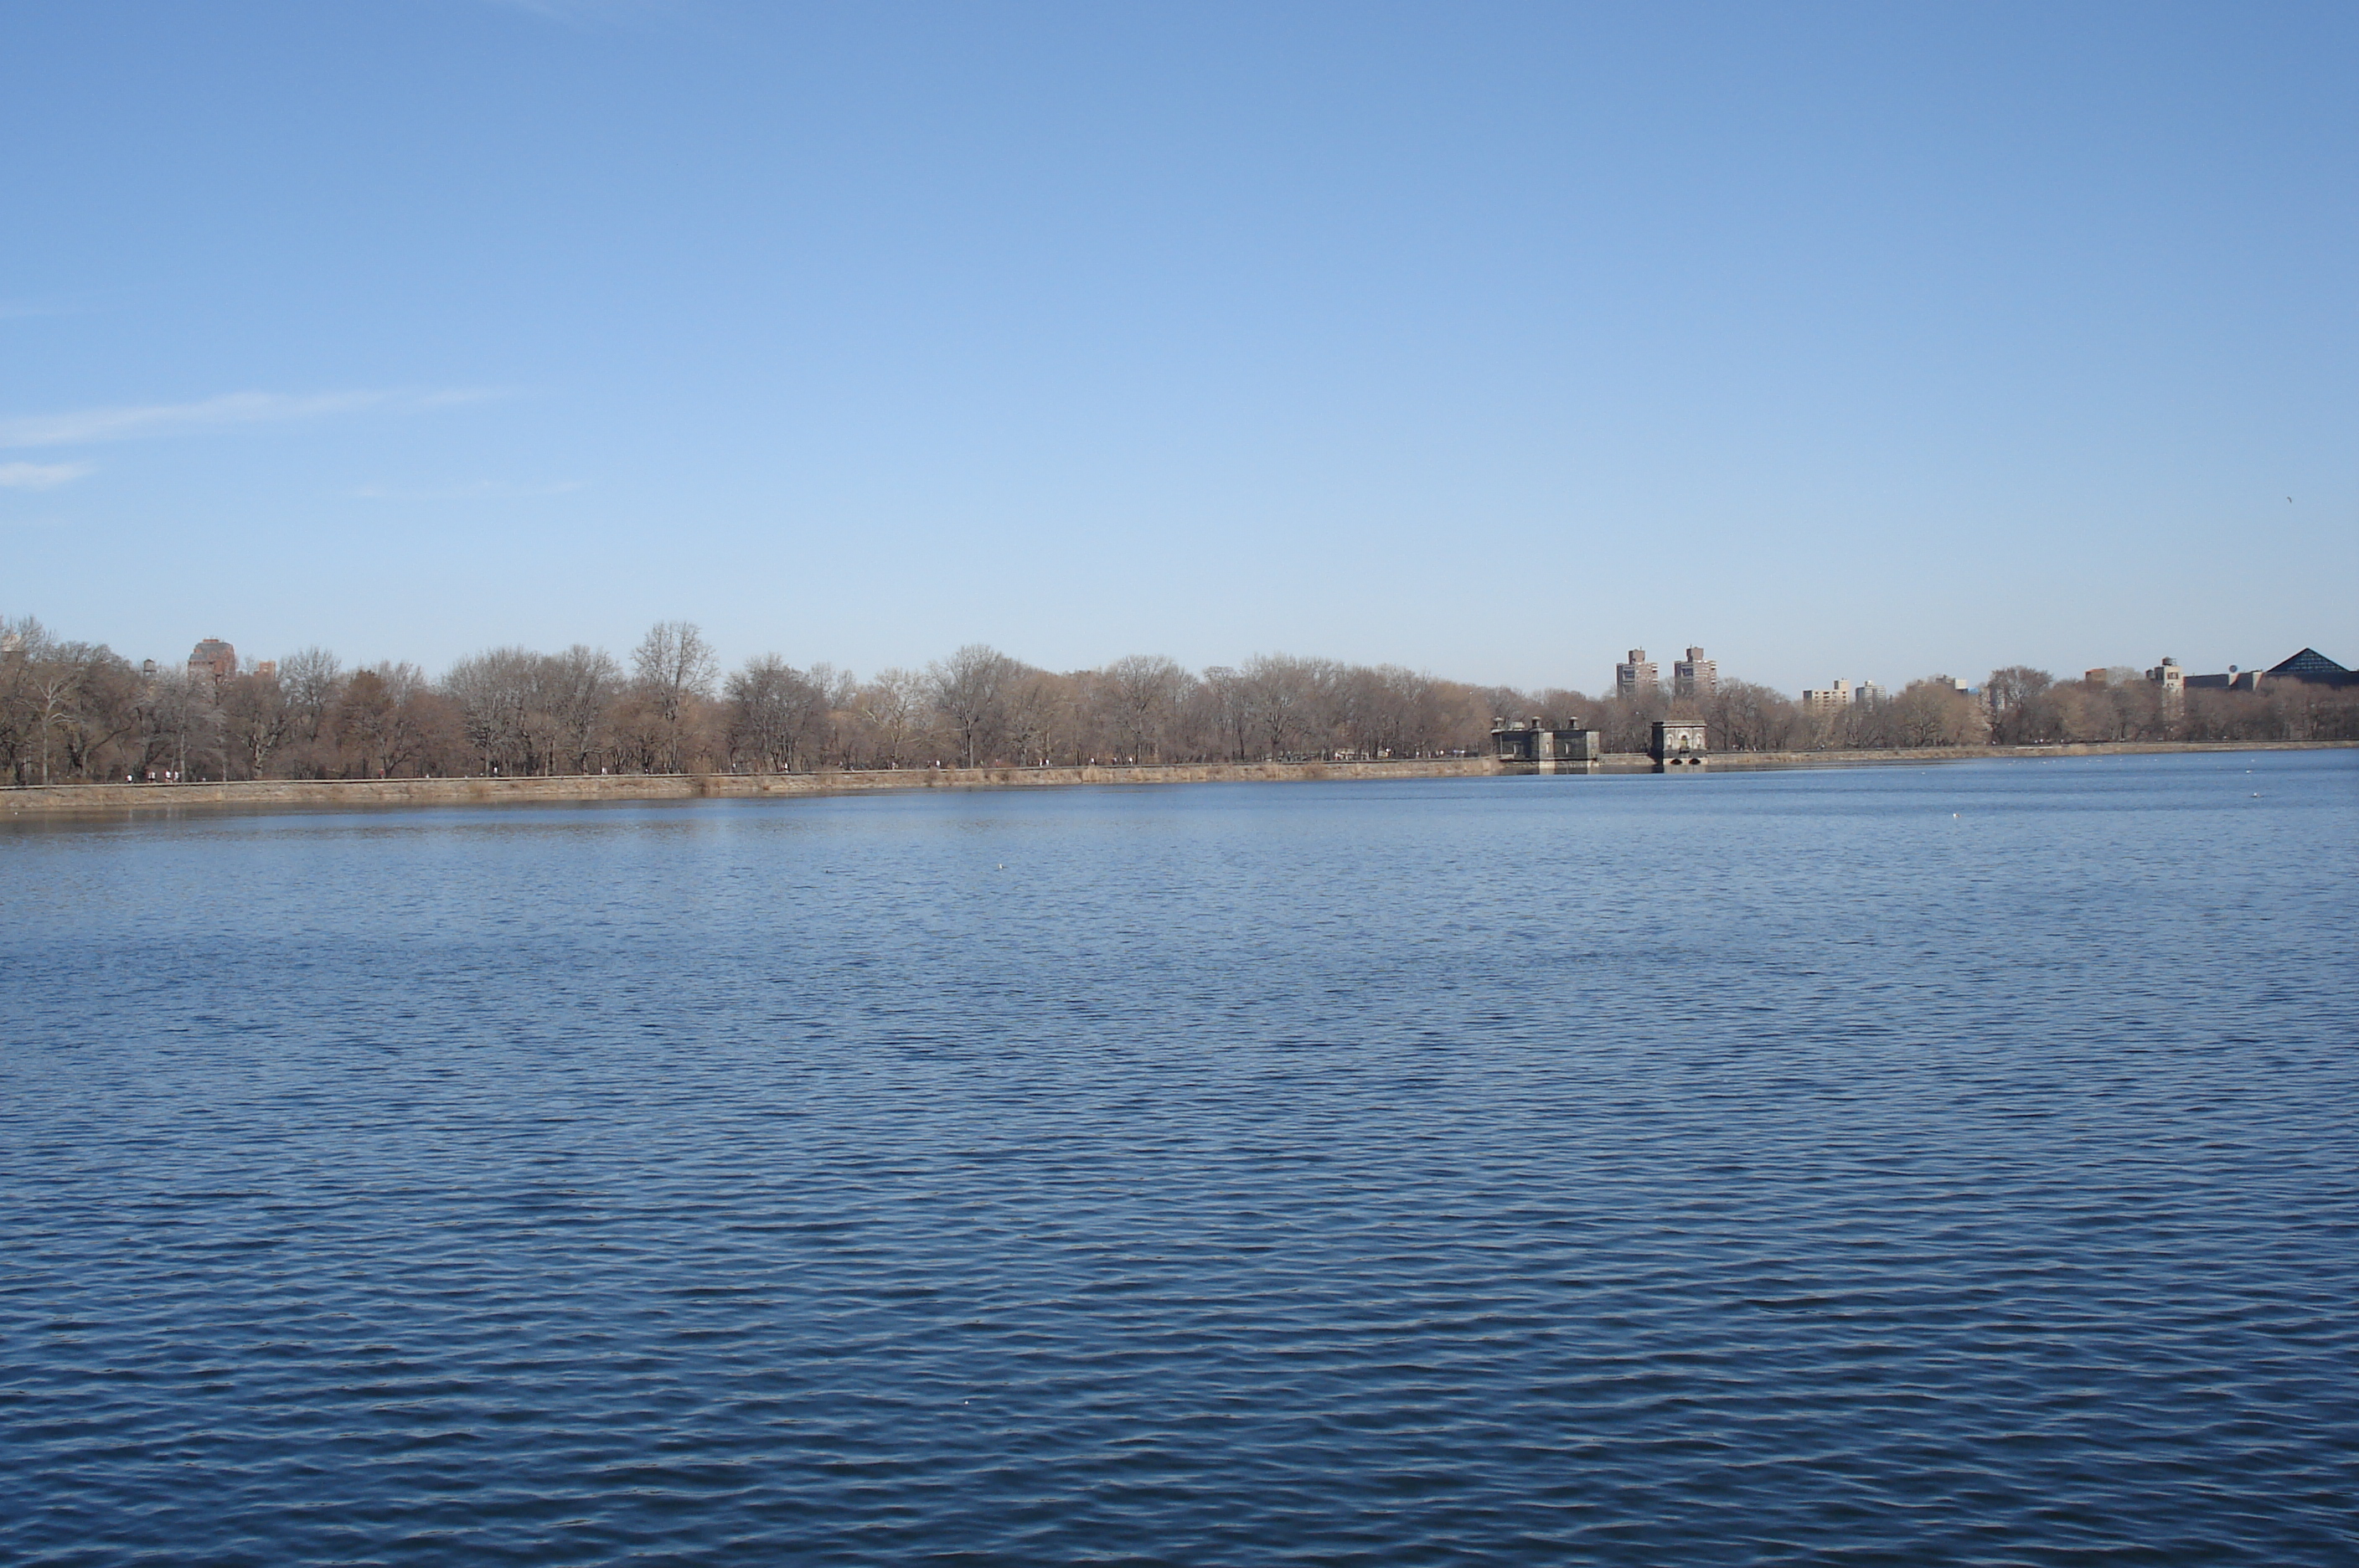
(1940, 1165)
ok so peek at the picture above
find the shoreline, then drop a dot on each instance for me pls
(26, 801)
(1765, 761)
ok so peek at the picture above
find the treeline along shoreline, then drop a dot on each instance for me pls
(74, 713)
(347, 794)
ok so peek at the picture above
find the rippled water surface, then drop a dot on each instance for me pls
(1947, 1165)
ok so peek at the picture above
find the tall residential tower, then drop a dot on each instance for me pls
(1636, 677)
(1694, 676)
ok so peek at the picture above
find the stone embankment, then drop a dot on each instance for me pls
(40, 799)
(106, 799)
(1742, 762)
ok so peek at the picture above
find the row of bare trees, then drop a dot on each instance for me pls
(77, 710)
(2031, 707)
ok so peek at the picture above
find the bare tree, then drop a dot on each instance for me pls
(775, 710)
(25, 671)
(1386, 711)
(1229, 710)
(971, 689)
(1144, 693)
(890, 710)
(426, 727)
(494, 691)
(105, 714)
(2012, 696)
(1040, 712)
(48, 689)
(176, 710)
(1935, 712)
(1287, 702)
(675, 662)
(578, 688)
(364, 720)
(19, 640)
(835, 725)
(1742, 716)
(257, 719)
(313, 677)
(390, 719)
(673, 670)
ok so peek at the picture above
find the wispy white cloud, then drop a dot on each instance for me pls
(130, 422)
(480, 490)
(40, 476)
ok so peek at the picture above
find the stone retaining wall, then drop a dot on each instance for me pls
(50, 799)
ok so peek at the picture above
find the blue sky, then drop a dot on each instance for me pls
(1844, 340)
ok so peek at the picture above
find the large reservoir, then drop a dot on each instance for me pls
(1952, 1164)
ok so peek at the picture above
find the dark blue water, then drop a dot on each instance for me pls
(1949, 1165)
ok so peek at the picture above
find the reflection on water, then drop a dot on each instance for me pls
(1896, 1166)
